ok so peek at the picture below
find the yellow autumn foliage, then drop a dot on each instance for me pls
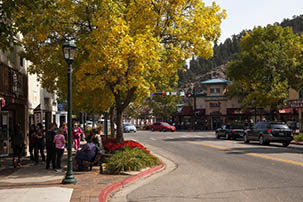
(124, 47)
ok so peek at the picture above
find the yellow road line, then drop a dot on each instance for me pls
(248, 153)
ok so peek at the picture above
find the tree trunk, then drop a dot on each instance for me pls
(120, 107)
(112, 126)
(119, 126)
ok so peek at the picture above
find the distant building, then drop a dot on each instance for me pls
(211, 108)
(42, 105)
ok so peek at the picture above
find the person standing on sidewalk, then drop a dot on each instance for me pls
(76, 135)
(50, 146)
(32, 140)
(64, 127)
(39, 144)
(59, 140)
(18, 144)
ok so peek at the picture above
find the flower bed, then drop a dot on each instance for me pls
(127, 156)
(111, 145)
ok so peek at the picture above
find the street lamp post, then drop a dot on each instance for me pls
(69, 50)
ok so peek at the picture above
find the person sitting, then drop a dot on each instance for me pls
(87, 153)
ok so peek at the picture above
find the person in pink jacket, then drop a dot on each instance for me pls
(76, 135)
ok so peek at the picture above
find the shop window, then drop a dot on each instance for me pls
(215, 91)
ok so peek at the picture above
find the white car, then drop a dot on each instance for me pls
(128, 127)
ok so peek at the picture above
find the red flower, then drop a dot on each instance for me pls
(111, 145)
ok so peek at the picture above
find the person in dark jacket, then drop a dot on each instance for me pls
(87, 153)
(18, 144)
(39, 144)
(51, 146)
(32, 139)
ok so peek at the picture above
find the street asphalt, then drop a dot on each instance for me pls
(208, 169)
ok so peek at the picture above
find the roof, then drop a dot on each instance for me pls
(215, 81)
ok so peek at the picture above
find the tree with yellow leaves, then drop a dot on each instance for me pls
(124, 46)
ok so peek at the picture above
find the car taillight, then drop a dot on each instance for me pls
(233, 131)
(269, 130)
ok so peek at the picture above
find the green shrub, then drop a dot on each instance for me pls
(128, 159)
(298, 138)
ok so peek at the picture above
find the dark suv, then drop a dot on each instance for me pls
(230, 131)
(267, 131)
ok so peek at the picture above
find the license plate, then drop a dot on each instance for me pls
(282, 134)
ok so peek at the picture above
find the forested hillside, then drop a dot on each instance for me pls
(201, 69)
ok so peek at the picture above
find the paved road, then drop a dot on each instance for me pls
(219, 170)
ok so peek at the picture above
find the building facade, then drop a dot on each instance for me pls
(42, 106)
(14, 96)
(210, 108)
(23, 100)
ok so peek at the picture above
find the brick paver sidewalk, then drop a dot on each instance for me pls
(89, 183)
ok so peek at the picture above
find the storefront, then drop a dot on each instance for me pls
(13, 111)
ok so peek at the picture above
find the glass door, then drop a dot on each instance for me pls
(4, 133)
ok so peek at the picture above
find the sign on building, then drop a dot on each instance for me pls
(295, 103)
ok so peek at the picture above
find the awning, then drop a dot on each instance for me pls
(38, 108)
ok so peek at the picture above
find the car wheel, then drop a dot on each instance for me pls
(217, 136)
(285, 144)
(261, 140)
(246, 139)
(227, 137)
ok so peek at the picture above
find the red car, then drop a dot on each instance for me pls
(162, 126)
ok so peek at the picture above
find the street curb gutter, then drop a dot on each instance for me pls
(107, 191)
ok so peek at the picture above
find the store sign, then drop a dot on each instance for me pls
(295, 103)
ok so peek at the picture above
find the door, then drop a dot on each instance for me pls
(4, 133)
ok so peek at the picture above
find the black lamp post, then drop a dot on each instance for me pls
(69, 51)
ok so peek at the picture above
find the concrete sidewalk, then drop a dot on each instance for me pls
(35, 183)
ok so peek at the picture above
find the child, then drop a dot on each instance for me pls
(59, 140)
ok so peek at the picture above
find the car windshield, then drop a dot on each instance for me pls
(127, 124)
(236, 127)
(279, 126)
(165, 124)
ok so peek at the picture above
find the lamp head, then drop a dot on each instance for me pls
(69, 51)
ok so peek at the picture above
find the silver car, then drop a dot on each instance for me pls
(128, 127)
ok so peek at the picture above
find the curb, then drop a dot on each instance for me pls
(296, 143)
(107, 191)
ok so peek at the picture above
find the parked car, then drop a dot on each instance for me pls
(230, 131)
(128, 127)
(89, 124)
(162, 126)
(267, 131)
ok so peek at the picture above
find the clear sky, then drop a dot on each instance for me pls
(245, 14)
